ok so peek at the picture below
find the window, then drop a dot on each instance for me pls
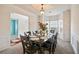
(14, 27)
(52, 25)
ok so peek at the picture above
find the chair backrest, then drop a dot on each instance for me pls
(26, 44)
(50, 40)
(56, 36)
(29, 32)
(23, 42)
(25, 34)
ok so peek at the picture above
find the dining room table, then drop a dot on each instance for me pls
(38, 40)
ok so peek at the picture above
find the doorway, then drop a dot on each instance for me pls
(55, 23)
(19, 25)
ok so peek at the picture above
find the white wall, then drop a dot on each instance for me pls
(66, 25)
(5, 11)
(75, 27)
(23, 25)
(34, 23)
(60, 26)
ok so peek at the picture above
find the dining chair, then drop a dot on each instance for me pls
(29, 46)
(25, 44)
(54, 42)
(47, 45)
(55, 37)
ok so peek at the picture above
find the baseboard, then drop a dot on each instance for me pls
(74, 49)
(74, 39)
(4, 49)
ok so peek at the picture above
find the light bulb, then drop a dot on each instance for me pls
(42, 12)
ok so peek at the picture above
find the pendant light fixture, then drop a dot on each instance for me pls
(42, 9)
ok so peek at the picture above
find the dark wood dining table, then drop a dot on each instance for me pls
(38, 40)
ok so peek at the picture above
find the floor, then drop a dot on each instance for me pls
(62, 48)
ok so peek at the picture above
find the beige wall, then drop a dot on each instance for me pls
(75, 27)
(66, 25)
(33, 23)
(75, 19)
(5, 11)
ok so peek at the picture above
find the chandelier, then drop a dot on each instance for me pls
(42, 9)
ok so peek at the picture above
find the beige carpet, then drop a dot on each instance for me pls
(62, 48)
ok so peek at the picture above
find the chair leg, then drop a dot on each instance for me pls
(23, 52)
(52, 51)
(49, 51)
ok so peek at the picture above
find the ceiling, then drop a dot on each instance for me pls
(50, 9)
(38, 6)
